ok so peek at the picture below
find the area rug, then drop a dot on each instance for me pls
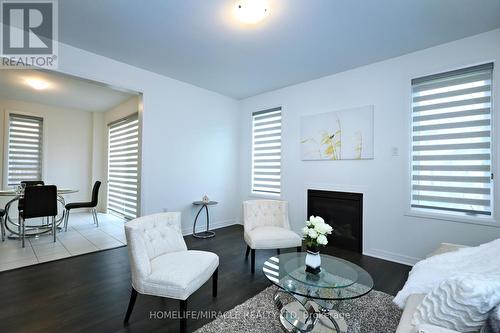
(374, 312)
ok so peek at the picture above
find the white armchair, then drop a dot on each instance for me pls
(267, 226)
(161, 265)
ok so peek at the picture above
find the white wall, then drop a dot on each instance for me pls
(99, 143)
(190, 137)
(67, 145)
(388, 232)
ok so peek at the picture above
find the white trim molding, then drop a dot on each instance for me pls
(213, 225)
(391, 256)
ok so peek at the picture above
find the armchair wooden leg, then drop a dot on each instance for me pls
(133, 296)
(299, 248)
(248, 252)
(183, 309)
(253, 261)
(215, 278)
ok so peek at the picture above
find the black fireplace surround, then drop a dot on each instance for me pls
(344, 212)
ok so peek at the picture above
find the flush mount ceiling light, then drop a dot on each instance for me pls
(37, 84)
(251, 11)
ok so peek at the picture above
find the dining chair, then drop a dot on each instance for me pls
(2, 214)
(39, 201)
(161, 265)
(28, 183)
(266, 226)
(32, 182)
(92, 204)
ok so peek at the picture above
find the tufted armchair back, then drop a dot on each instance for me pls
(259, 213)
(149, 237)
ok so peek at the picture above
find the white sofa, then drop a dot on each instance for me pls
(413, 301)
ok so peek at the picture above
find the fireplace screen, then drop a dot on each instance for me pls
(344, 212)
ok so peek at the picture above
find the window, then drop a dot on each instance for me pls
(266, 150)
(451, 142)
(24, 148)
(123, 167)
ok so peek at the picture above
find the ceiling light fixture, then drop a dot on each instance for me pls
(37, 84)
(251, 11)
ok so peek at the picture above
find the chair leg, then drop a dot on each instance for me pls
(54, 228)
(66, 220)
(183, 310)
(23, 231)
(3, 229)
(131, 303)
(299, 248)
(248, 252)
(215, 278)
(278, 251)
(19, 225)
(253, 261)
(96, 219)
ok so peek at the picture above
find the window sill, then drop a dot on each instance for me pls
(490, 222)
(265, 196)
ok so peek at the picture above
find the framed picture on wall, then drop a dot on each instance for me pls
(338, 135)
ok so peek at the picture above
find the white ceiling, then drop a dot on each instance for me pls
(64, 91)
(199, 42)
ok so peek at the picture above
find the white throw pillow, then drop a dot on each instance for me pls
(461, 303)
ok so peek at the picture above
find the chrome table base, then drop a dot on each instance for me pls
(305, 315)
(13, 226)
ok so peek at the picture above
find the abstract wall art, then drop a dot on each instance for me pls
(338, 135)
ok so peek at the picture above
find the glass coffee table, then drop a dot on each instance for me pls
(308, 302)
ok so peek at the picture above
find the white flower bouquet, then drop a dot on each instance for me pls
(315, 233)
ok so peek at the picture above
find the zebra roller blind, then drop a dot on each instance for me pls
(25, 143)
(266, 159)
(123, 167)
(452, 142)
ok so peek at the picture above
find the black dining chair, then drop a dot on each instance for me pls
(28, 183)
(32, 182)
(92, 205)
(39, 201)
(2, 214)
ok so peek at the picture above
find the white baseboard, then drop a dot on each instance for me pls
(391, 256)
(213, 225)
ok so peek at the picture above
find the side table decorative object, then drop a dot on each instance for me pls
(204, 205)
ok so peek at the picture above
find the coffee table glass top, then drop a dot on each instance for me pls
(338, 280)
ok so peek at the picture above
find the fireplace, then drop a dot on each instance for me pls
(344, 212)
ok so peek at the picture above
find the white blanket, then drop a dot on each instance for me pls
(429, 273)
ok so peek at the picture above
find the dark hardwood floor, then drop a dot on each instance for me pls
(90, 293)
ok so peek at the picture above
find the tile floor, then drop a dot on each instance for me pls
(82, 237)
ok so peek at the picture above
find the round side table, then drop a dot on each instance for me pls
(207, 233)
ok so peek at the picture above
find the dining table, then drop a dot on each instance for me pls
(12, 225)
